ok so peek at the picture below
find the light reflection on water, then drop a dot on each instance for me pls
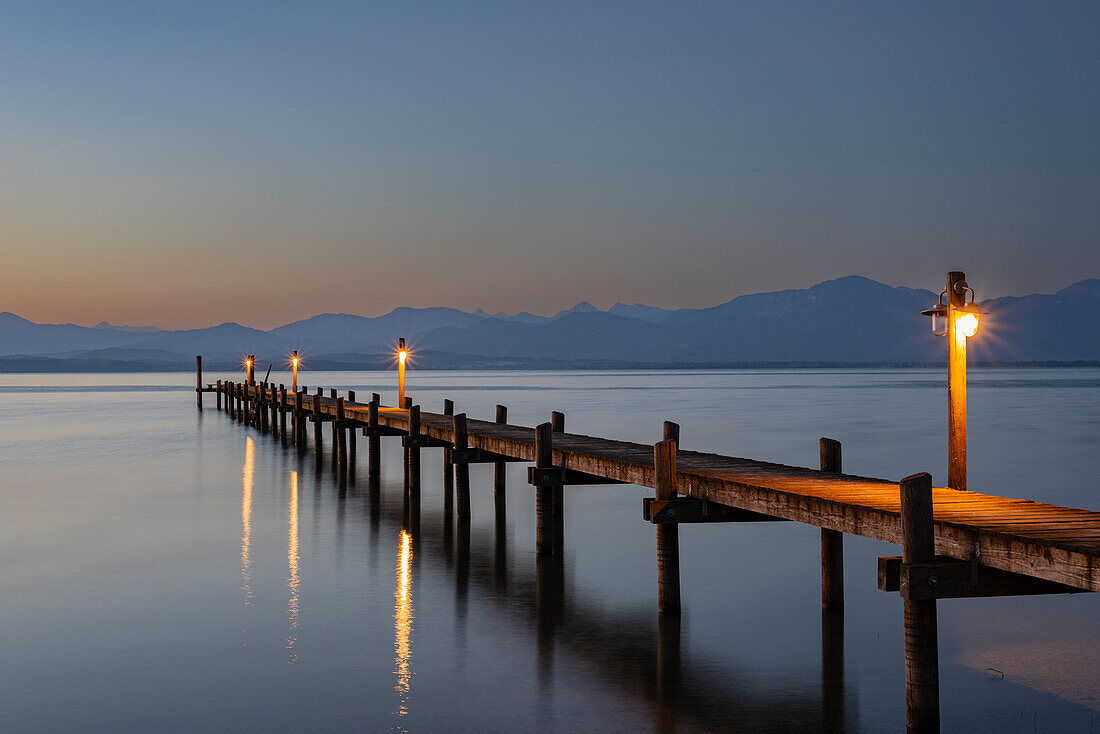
(247, 480)
(402, 625)
(119, 552)
(293, 579)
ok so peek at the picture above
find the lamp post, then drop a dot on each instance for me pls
(402, 355)
(957, 319)
(294, 359)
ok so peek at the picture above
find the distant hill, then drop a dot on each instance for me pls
(362, 330)
(844, 321)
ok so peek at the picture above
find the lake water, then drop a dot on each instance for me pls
(169, 570)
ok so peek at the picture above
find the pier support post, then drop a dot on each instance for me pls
(557, 425)
(412, 465)
(832, 609)
(448, 471)
(275, 411)
(218, 395)
(198, 380)
(374, 444)
(832, 541)
(339, 431)
(318, 439)
(351, 439)
(335, 434)
(282, 412)
(922, 670)
(500, 497)
(264, 414)
(544, 495)
(668, 538)
(462, 470)
(297, 421)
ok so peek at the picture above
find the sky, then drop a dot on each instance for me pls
(186, 164)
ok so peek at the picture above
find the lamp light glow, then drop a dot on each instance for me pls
(967, 324)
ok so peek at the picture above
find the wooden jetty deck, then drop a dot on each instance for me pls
(955, 543)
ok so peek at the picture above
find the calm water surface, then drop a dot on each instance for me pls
(166, 570)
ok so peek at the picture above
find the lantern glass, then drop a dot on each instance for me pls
(939, 323)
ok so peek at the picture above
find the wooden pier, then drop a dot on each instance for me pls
(955, 543)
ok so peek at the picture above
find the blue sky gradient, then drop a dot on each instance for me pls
(189, 163)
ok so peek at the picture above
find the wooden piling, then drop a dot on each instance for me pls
(832, 541)
(462, 471)
(340, 423)
(296, 421)
(336, 458)
(922, 686)
(351, 438)
(198, 380)
(318, 440)
(500, 473)
(276, 410)
(668, 538)
(282, 412)
(557, 425)
(374, 444)
(412, 465)
(218, 395)
(261, 404)
(544, 495)
(448, 466)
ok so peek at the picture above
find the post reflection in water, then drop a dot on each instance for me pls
(402, 625)
(246, 519)
(293, 578)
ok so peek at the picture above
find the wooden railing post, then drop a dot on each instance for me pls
(668, 538)
(922, 669)
(462, 470)
(832, 541)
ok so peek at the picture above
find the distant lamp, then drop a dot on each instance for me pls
(402, 356)
(295, 360)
